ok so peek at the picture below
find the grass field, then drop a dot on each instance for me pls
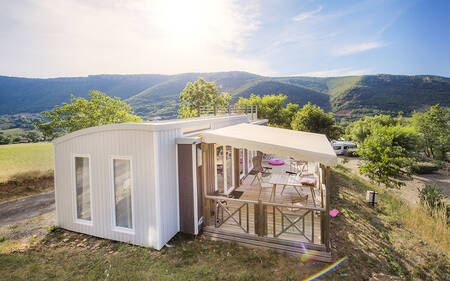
(20, 160)
(375, 240)
(25, 169)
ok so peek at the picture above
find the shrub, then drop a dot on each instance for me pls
(3, 238)
(432, 196)
(352, 153)
(53, 228)
(425, 167)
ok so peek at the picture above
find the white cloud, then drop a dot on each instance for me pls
(336, 72)
(357, 48)
(50, 38)
(307, 15)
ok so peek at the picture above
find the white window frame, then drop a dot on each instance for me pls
(244, 163)
(74, 188)
(226, 190)
(250, 155)
(113, 196)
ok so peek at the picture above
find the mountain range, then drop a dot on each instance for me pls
(157, 95)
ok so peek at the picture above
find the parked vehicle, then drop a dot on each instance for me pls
(340, 147)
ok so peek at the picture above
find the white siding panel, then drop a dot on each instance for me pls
(168, 184)
(101, 147)
(155, 178)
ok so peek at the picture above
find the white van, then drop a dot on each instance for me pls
(340, 147)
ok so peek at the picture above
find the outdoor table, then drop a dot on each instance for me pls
(294, 181)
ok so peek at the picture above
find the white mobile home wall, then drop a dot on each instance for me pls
(152, 149)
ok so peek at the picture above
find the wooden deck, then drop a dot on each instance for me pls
(301, 230)
(288, 222)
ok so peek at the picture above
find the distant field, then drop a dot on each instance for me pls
(22, 159)
(13, 132)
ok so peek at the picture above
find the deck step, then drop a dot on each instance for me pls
(262, 242)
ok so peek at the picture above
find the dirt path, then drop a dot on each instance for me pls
(26, 208)
(409, 192)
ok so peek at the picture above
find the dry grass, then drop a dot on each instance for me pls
(429, 224)
(19, 162)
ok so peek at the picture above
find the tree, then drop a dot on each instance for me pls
(200, 93)
(311, 118)
(359, 130)
(386, 156)
(82, 113)
(33, 136)
(271, 107)
(433, 125)
(4, 139)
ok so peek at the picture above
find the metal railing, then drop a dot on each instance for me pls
(251, 110)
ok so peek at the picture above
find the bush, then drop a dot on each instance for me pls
(425, 167)
(432, 196)
(53, 229)
(352, 153)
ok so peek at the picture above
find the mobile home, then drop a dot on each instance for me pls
(142, 183)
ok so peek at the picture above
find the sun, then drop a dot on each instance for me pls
(187, 22)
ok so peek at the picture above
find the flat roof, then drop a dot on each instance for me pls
(155, 125)
(299, 145)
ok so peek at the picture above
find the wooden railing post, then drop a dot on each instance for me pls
(324, 216)
(260, 219)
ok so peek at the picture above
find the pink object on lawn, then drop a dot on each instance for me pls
(334, 213)
(276, 162)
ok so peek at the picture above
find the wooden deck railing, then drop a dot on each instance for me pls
(266, 219)
(251, 110)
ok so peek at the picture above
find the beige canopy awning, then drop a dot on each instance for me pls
(299, 145)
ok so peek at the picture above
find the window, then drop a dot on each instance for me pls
(122, 193)
(229, 168)
(82, 188)
(241, 163)
(224, 172)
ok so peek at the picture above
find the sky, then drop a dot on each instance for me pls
(52, 38)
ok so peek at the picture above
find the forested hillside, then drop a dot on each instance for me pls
(157, 95)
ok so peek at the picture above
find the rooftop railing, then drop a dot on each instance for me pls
(251, 110)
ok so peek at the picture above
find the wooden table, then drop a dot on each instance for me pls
(285, 180)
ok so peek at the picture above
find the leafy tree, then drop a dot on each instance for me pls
(200, 93)
(311, 118)
(271, 107)
(33, 136)
(82, 113)
(359, 130)
(433, 125)
(4, 139)
(386, 155)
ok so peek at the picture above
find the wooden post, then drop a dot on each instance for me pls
(237, 167)
(327, 209)
(321, 177)
(260, 219)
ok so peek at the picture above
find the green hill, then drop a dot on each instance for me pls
(157, 95)
(296, 93)
(18, 95)
(393, 93)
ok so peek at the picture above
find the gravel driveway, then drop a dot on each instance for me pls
(409, 191)
(26, 208)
